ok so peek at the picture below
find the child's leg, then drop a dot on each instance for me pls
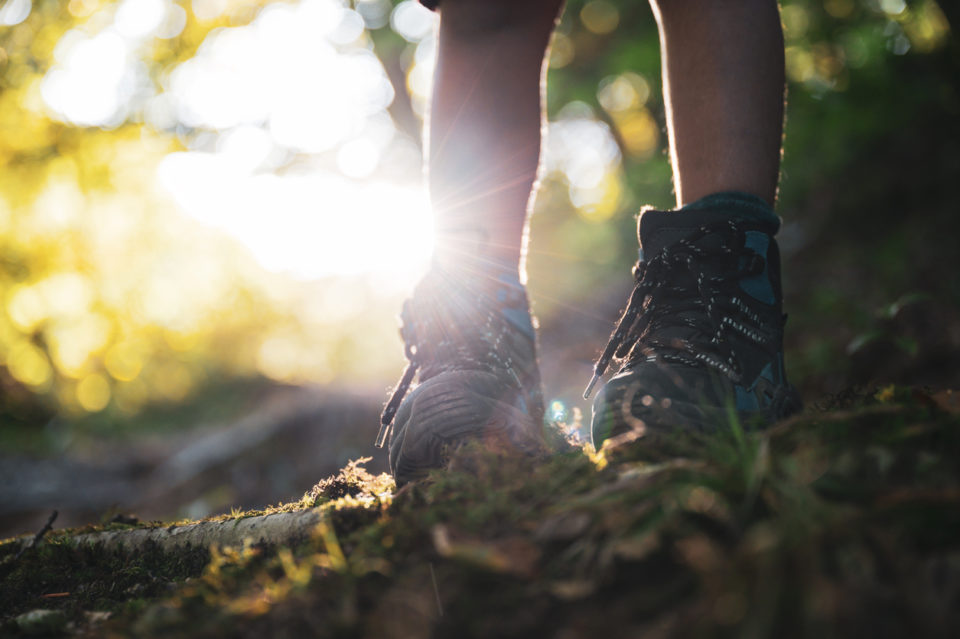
(485, 122)
(469, 335)
(724, 87)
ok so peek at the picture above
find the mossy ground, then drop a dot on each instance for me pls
(841, 522)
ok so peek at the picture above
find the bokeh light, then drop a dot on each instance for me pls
(599, 16)
(210, 240)
(14, 12)
(582, 150)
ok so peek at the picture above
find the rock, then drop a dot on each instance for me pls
(41, 622)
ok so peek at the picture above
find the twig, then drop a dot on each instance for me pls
(436, 591)
(36, 538)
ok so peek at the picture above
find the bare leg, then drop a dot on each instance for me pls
(723, 83)
(485, 124)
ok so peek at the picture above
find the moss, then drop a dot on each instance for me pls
(351, 481)
(835, 523)
(76, 579)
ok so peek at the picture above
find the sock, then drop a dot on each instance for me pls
(744, 204)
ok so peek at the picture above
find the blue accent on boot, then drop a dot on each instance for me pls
(746, 397)
(519, 317)
(759, 286)
(521, 320)
(767, 372)
(777, 375)
(510, 279)
(746, 401)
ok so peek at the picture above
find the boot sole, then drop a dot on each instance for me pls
(453, 408)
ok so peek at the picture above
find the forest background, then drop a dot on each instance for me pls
(211, 211)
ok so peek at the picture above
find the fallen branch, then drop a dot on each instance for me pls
(267, 529)
(36, 538)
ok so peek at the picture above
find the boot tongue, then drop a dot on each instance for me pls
(657, 230)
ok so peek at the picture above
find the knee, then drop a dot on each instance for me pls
(488, 16)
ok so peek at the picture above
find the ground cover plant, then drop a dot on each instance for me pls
(844, 521)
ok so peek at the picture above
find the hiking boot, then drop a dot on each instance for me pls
(470, 340)
(701, 339)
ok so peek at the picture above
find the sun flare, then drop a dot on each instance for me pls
(310, 225)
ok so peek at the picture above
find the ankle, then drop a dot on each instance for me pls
(472, 253)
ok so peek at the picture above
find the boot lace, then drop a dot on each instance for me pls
(686, 305)
(458, 333)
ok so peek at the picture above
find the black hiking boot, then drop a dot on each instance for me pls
(701, 339)
(470, 340)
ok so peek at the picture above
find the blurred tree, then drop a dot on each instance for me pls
(112, 300)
